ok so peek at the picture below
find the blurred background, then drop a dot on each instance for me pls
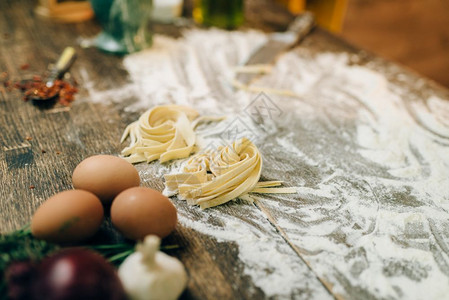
(414, 33)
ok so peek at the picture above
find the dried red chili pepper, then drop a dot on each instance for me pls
(37, 88)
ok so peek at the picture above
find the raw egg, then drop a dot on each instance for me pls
(105, 176)
(69, 216)
(140, 211)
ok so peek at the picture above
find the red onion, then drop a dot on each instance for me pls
(19, 276)
(77, 273)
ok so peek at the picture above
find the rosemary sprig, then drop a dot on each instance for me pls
(117, 253)
(114, 253)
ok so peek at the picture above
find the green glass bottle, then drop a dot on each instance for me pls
(125, 25)
(227, 14)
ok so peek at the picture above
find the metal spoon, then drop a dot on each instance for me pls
(63, 64)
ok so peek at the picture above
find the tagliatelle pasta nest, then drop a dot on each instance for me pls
(164, 132)
(217, 176)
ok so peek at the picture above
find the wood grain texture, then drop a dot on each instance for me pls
(41, 147)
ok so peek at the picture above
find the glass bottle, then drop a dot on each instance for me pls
(228, 14)
(329, 13)
(125, 25)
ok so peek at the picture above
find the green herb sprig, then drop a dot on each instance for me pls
(20, 245)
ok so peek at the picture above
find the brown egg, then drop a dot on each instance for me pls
(140, 211)
(105, 176)
(69, 216)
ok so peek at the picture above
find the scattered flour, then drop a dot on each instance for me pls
(183, 70)
(272, 265)
(371, 160)
(365, 222)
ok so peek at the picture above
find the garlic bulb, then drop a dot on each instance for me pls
(150, 274)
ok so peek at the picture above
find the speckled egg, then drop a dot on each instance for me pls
(105, 176)
(140, 211)
(69, 216)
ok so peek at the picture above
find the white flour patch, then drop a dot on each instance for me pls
(268, 260)
(384, 177)
(181, 71)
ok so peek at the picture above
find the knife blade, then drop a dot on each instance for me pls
(277, 43)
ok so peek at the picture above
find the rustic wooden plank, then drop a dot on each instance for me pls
(225, 249)
(41, 147)
(342, 221)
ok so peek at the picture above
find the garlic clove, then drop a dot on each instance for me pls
(150, 274)
(148, 249)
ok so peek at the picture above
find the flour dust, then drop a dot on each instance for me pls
(370, 160)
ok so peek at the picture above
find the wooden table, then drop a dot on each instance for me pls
(357, 229)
